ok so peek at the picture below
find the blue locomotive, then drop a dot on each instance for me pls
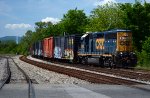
(111, 48)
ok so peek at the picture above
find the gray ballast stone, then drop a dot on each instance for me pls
(3, 69)
(44, 76)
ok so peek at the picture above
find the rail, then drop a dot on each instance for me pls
(31, 92)
(7, 79)
(91, 76)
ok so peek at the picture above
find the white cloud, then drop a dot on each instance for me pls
(17, 26)
(50, 19)
(148, 1)
(103, 2)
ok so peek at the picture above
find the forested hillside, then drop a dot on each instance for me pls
(10, 38)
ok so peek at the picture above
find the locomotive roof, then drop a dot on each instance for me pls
(105, 32)
(113, 31)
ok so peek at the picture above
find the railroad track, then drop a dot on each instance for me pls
(7, 79)
(89, 75)
(31, 92)
(134, 74)
(128, 73)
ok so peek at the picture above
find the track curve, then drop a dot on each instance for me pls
(31, 92)
(85, 75)
(7, 79)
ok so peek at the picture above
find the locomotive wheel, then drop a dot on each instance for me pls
(101, 62)
(111, 64)
(84, 60)
(79, 60)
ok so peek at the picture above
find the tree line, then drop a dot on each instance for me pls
(135, 17)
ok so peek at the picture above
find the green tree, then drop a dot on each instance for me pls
(8, 47)
(74, 22)
(144, 56)
(57, 29)
(25, 43)
(108, 16)
(43, 29)
(138, 20)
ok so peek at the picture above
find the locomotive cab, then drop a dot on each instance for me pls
(124, 41)
(125, 57)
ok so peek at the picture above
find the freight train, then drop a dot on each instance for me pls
(111, 48)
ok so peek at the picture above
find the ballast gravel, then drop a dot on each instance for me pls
(16, 75)
(44, 76)
(3, 69)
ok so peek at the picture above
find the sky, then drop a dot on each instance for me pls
(18, 16)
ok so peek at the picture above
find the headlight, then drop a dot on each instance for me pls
(121, 53)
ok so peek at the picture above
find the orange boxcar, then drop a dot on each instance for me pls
(48, 47)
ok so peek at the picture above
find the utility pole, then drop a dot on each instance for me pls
(16, 39)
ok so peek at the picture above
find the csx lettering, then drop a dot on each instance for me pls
(99, 43)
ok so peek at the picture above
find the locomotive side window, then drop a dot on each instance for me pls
(100, 35)
(111, 36)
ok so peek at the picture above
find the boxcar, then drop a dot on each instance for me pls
(59, 47)
(36, 49)
(48, 47)
(66, 47)
(32, 49)
(40, 48)
(72, 43)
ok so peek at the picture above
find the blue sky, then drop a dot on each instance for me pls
(18, 16)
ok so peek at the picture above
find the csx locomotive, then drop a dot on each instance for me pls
(111, 48)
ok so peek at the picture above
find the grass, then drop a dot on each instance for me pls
(143, 67)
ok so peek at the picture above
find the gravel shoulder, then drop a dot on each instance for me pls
(42, 76)
(16, 75)
(3, 69)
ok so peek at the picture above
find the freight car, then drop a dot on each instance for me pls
(60, 47)
(37, 49)
(66, 47)
(48, 47)
(110, 48)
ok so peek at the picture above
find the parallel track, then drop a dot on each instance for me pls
(85, 75)
(135, 74)
(31, 92)
(7, 79)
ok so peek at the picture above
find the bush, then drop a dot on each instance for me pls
(144, 56)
